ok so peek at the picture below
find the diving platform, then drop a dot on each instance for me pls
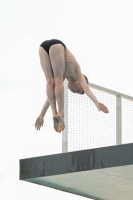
(100, 173)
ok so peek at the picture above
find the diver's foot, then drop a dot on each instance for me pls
(56, 123)
(60, 119)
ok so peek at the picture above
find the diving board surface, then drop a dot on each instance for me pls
(102, 173)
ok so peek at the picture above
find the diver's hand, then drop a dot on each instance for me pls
(102, 107)
(39, 122)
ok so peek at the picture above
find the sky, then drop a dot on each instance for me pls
(98, 33)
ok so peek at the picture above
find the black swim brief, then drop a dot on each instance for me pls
(48, 43)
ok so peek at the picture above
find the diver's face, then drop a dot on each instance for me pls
(75, 87)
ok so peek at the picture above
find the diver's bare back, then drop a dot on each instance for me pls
(71, 66)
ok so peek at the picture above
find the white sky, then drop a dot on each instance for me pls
(99, 34)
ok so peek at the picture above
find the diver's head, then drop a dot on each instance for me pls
(75, 87)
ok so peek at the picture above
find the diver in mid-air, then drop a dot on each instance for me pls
(59, 63)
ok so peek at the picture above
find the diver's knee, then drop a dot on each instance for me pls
(58, 80)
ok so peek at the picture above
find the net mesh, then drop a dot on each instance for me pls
(127, 122)
(87, 127)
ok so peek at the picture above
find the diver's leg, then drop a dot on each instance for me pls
(50, 85)
(57, 58)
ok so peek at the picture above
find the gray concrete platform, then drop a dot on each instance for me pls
(102, 173)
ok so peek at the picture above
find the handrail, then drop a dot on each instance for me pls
(110, 91)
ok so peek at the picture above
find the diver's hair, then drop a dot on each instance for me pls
(86, 81)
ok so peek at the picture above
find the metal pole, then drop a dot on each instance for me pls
(118, 120)
(64, 132)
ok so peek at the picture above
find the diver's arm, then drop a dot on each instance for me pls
(44, 109)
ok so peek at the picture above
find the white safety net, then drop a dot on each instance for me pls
(87, 127)
(127, 121)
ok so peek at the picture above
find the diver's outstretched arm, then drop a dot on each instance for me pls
(45, 107)
(99, 105)
(39, 121)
